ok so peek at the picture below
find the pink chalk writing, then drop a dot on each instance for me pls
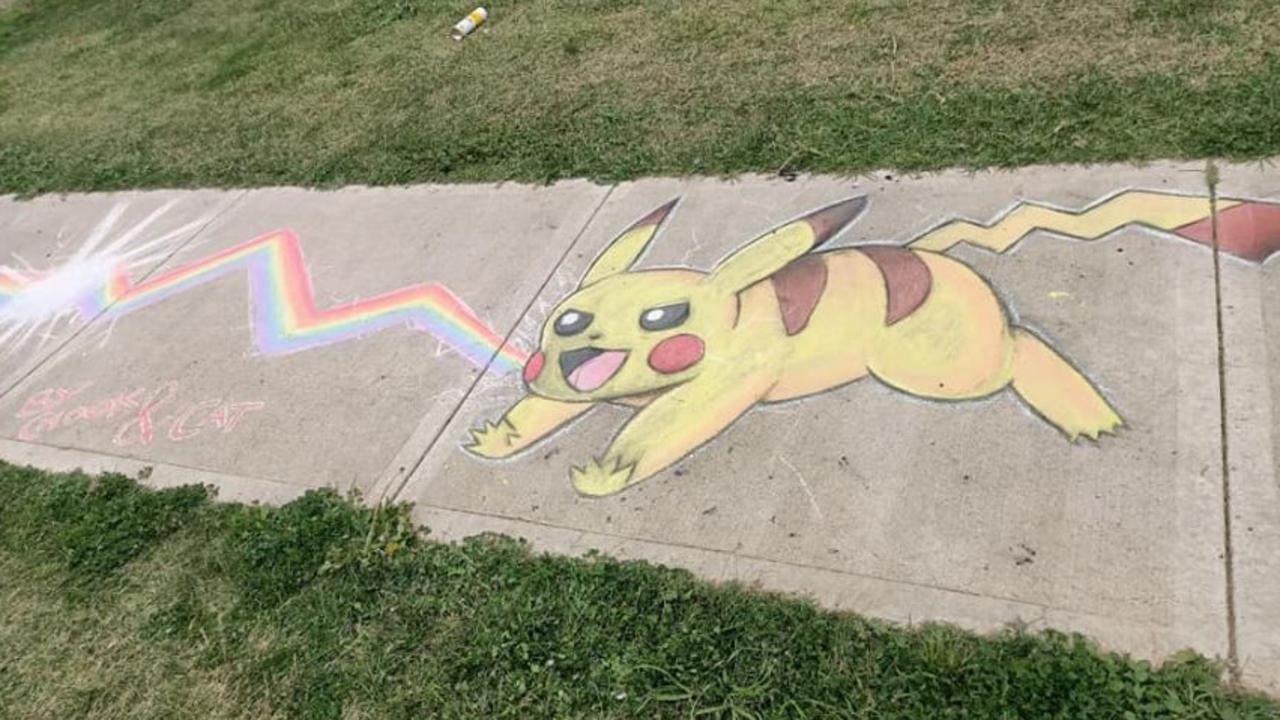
(138, 415)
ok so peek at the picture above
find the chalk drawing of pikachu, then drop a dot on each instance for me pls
(773, 321)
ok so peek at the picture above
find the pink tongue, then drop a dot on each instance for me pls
(595, 372)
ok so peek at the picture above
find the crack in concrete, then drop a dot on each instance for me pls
(448, 420)
(75, 334)
(1228, 551)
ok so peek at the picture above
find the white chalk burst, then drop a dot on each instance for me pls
(36, 303)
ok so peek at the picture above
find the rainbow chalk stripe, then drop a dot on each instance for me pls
(9, 287)
(285, 317)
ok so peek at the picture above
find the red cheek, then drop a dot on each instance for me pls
(533, 368)
(676, 353)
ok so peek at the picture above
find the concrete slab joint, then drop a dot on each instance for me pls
(978, 398)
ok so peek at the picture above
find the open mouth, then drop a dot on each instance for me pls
(586, 369)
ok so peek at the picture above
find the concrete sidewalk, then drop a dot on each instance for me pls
(271, 341)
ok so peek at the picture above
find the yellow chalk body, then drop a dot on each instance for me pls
(775, 321)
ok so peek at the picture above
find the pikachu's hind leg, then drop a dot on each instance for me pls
(1056, 390)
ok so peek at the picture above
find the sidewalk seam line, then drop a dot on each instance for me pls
(153, 463)
(1043, 607)
(731, 554)
(448, 420)
(85, 326)
(1228, 551)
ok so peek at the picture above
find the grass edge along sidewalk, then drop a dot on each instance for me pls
(118, 601)
(112, 94)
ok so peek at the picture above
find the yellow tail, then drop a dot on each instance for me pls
(1159, 210)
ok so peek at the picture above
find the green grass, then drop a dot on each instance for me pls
(100, 94)
(118, 602)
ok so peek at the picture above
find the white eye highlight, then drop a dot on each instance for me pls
(573, 322)
(664, 317)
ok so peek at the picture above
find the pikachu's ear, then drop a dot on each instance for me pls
(768, 253)
(627, 248)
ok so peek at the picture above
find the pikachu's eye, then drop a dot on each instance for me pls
(664, 317)
(573, 322)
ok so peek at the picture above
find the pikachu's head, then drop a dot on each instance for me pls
(629, 333)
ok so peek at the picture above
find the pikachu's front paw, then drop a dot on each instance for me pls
(602, 477)
(494, 440)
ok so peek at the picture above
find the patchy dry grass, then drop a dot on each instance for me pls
(87, 658)
(118, 602)
(99, 94)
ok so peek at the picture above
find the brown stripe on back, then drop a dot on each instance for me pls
(798, 286)
(907, 279)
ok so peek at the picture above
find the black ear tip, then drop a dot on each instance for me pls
(656, 216)
(830, 220)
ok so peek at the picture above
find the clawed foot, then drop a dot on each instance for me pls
(1107, 426)
(602, 477)
(494, 440)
